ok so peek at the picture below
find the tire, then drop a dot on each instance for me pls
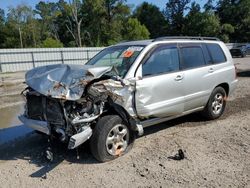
(111, 138)
(216, 104)
(243, 55)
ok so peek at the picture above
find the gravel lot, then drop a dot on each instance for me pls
(217, 154)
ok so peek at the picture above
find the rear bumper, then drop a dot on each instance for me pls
(41, 126)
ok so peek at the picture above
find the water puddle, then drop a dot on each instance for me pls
(10, 127)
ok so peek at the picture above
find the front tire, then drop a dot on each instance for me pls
(111, 138)
(216, 104)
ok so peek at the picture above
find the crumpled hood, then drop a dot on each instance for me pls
(63, 81)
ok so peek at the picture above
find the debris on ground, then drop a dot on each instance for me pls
(178, 156)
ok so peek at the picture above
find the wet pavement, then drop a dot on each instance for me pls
(10, 127)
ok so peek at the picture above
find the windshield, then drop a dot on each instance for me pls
(121, 57)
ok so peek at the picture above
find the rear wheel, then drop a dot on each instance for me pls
(216, 104)
(243, 54)
(111, 138)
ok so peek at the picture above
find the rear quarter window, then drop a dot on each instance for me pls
(216, 53)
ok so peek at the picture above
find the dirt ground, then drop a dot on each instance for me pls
(217, 154)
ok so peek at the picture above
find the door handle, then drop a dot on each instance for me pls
(178, 77)
(211, 70)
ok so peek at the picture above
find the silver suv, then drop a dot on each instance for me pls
(127, 87)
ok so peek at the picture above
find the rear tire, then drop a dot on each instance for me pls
(111, 138)
(216, 104)
(243, 55)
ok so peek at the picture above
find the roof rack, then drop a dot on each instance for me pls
(185, 37)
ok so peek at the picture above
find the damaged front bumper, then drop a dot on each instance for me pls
(41, 126)
(79, 138)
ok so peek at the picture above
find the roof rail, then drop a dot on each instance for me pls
(185, 37)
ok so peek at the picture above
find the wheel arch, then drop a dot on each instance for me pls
(208, 112)
(225, 86)
(117, 109)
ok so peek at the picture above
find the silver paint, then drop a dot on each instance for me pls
(162, 96)
(63, 81)
(121, 92)
(41, 126)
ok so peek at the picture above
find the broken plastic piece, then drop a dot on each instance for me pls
(49, 154)
(178, 156)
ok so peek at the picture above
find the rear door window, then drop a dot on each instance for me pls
(191, 56)
(216, 52)
(206, 54)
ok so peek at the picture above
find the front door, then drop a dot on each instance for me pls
(160, 91)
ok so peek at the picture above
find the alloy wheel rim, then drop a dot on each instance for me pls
(117, 140)
(217, 103)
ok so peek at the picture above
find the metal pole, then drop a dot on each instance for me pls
(62, 57)
(0, 65)
(87, 55)
(33, 60)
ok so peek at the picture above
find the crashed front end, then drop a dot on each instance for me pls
(65, 101)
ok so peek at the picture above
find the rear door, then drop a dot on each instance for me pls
(199, 78)
(160, 91)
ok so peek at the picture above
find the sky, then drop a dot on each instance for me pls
(4, 4)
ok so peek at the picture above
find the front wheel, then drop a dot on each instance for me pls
(216, 104)
(111, 138)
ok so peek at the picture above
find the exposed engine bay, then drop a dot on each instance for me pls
(64, 118)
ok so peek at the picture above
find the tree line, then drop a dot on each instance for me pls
(105, 22)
